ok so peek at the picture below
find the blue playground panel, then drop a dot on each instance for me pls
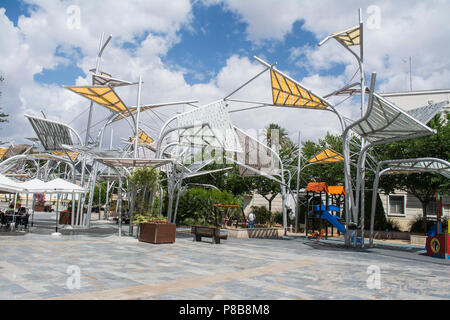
(329, 217)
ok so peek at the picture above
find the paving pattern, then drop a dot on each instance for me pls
(36, 266)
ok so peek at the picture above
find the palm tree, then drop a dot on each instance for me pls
(270, 133)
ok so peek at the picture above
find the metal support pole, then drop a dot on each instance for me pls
(136, 140)
(297, 206)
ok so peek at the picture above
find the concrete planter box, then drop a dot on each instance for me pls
(157, 232)
(418, 239)
(256, 233)
(65, 217)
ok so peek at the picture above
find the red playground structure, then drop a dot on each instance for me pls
(437, 241)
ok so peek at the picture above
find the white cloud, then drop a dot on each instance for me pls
(406, 28)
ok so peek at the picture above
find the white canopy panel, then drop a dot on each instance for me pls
(52, 134)
(211, 127)
(384, 122)
(421, 165)
(256, 155)
(426, 113)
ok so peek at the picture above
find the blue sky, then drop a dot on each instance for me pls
(203, 49)
(215, 34)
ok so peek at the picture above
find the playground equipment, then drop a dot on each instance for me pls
(323, 200)
(230, 215)
(437, 241)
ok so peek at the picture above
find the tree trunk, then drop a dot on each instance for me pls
(424, 215)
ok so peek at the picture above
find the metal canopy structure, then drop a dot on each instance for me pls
(209, 125)
(402, 166)
(419, 165)
(256, 155)
(71, 155)
(102, 95)
(349, 37)
(327, 156)
(288, 92)
(384, 122)
(143, 138)
(133, 110)
(2, 152)
(103, 79)
(53, 134)
(133, 162)
(426, 113)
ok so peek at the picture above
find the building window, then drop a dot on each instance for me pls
(397, 205)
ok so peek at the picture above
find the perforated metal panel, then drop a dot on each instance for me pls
(386, 122)
(256, 155)
(211, 127)
(52, 134)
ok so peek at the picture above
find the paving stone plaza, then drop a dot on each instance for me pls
(36, 265)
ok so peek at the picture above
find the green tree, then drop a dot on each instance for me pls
(143, 186)
(424, 186)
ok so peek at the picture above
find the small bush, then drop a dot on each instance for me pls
(417, 225)
(392, 225)
(262, 214)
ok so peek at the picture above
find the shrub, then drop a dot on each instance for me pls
(262, 214)
(196, 206)
(417, 225)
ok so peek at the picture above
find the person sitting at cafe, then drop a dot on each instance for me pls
(10, 210)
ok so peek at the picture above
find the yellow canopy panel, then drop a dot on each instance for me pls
(350, 37)
(131, 111)
(286, 92)
(3, 151)
(143, 138)
(327, 156)
(72, 155)
(103, 95)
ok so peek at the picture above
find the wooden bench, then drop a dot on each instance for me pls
(208, 232)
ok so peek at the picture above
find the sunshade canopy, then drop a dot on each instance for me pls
(53, 134)
(104, 80)
(209, 125)
(327, 156)
(256, 155)
(349, 37)
(2, 152)
(384, 122)
(133, 162)
(317, 187)
(336, 190)
(426, 113)
(143, 138)
(288, 92)
(102, 95)
(419, 165)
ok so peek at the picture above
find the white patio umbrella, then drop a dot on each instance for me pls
(33, 186)
(59, 186)
(10, 186)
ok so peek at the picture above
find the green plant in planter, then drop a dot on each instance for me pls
(143, 186)
(139, 219)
